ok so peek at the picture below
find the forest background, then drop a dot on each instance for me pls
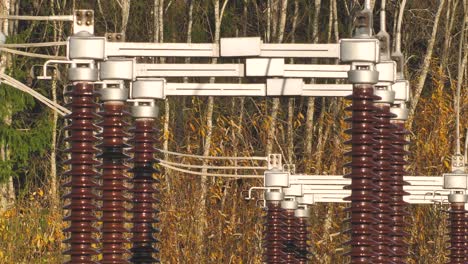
(202, 219)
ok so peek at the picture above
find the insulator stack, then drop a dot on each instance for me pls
(144, 213)
(82, 198)
(362, 208)
(457, 233)
(288, 229)
(113, 183)
(302, 251)
(397, 203)
(383, 159)
(273, 238)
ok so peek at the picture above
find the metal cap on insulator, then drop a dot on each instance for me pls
(144, 109)
(386, 96)
(400, 111)
(276, 178)
(302, 212)
(363, 76)
(117, 69)
(289, 204)
(113, 93)
(83, 74)
(274, 196)
(457, 198)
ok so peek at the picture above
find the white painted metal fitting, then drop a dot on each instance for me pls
(149, 89)
(289, 204)
(113, 93)
(293, 190)
(84, 45)
(276, 178)
(458, 198)
(386, 96)
(302, 212)
(274, 196)
(144, 109)
(400, 111)
(117, 69)
(360, 50)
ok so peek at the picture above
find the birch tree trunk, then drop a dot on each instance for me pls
(202, 212)
(7, 190)
(275, 106)
(311, 100)
(290, 135)
(54, 196)
(425, 67)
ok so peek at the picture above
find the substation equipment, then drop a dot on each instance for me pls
(376, 187)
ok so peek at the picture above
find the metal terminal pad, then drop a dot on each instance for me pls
(83, 20)
(115, 37)
(275, 161)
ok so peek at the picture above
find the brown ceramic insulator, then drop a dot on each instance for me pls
(113, 183)
(383, 158)
(144, 213)
(81, 195)
(302, 238)
(457, 233)
(288, 228)
(362, 209)
(273, 237)
(397, 203)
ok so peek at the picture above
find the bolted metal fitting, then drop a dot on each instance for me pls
(276, 178)
(274, 196)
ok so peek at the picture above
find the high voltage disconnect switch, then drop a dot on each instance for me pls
(376, 186)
